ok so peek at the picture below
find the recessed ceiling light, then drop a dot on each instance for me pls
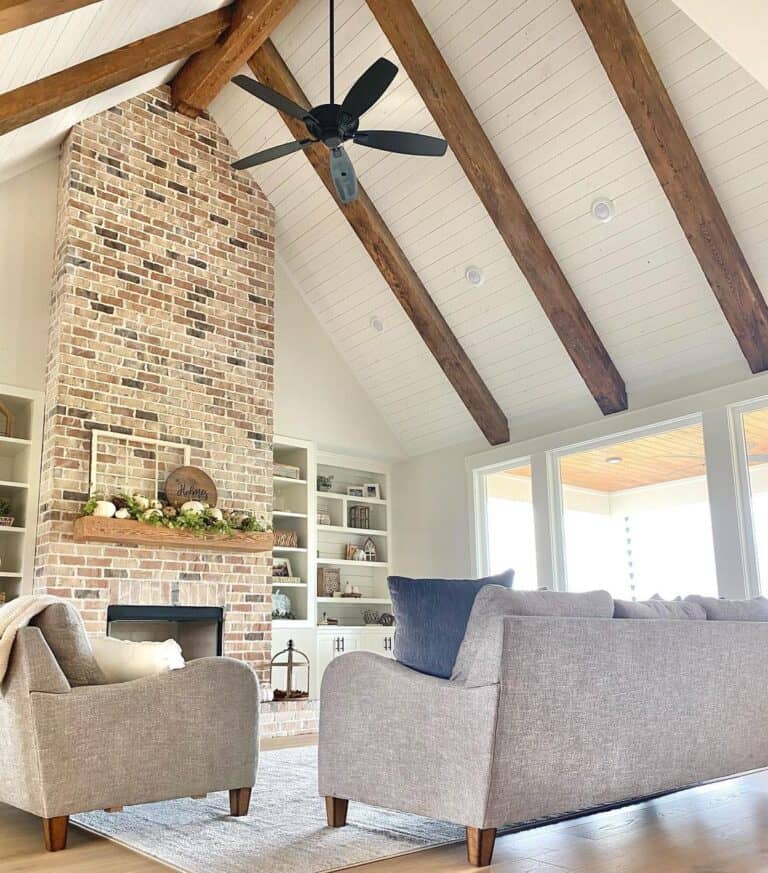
(474, 275)
(614, 459)
(377, 324)
(603, 210)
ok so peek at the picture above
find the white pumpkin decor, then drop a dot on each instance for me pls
(122, 513)
(192, 506)
(141, 501)
(151, 513)
(215, 512)
(105, 509)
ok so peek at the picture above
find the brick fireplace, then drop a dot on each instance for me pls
(161, 327)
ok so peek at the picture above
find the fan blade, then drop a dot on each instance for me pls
(402, 142)
(369, 87)
(271, 97)
(343, 175)
(280, 151)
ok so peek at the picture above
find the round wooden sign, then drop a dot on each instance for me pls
(190, 483)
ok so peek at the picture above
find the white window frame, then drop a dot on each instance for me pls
(719, 411)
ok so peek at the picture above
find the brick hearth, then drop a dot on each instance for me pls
(161, 326)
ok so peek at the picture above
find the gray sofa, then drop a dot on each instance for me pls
(551, 715)
(68, 747)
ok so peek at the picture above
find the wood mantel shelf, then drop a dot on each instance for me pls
(92, 529)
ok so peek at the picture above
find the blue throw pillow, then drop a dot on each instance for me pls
(431, 617)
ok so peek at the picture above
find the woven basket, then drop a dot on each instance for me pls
(6, 520)
(286, 538)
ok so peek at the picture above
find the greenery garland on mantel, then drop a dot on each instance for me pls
(193, 516)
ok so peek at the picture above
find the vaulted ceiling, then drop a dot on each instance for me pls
(535, 83)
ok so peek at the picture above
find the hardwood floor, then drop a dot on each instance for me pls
(718, 828)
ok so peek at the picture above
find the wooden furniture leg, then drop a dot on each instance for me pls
(55, 833)
(480, 843)
(239, 801)
(336, 811)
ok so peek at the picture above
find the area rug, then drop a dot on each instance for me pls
(284, 832)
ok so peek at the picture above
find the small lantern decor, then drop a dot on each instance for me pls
(294, 660)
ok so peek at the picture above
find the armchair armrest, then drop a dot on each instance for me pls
(189, 731)
(393, 737)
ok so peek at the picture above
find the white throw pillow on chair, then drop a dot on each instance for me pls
(125, 660)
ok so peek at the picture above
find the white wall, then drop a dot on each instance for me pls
(740, 28)
(316, 394)
(27, 229)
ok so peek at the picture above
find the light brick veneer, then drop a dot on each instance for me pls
(161, 326)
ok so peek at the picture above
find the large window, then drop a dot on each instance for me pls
(756, 447)
(636, 517)
(509, 520)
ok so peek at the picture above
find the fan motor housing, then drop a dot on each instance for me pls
(330, 124)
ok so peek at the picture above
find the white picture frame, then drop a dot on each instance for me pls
(356, 491)
(281, 568)
(372, 489)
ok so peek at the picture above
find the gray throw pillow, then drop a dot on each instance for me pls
(431, 616)
(716, 609)
(658, 608)
(63, 630)
(479, 657)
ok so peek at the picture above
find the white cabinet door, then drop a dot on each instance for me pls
(377, 641)
(331, 645)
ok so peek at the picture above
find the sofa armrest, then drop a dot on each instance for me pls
(188, 731)
(393, 737)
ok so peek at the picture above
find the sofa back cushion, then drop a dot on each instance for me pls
(716, 609)
(658, 608)
(431, 616)
(479, 658)
(65, 634)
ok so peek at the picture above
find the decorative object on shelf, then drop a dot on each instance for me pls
(326, 620)
(352, 594)
(359, 517)
(288, 539)
(6, 421)
(355, 491)
(287, 471)
(372, 490)
(281, 567)
(294, 661)
(281, 605)
(324, 483)
(387, 619)
(6, 519)
(370, 616)
(353, 552)
(328, 581)
(106, 509)
(323, 518)
(286, 580)
(369, 547)
(190, 483)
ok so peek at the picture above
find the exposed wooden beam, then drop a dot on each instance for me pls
(641, 91)
(21, 13)
(40, 98)
(207, 72)
(374, 234)
(433, 79)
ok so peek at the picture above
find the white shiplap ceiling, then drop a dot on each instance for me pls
(531, 76)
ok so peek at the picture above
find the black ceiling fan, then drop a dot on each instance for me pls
(334, 124)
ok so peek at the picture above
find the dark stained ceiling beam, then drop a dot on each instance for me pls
(21, 13)
(45, 96)
(433, 79)
(208, 71)
(649, 107)
(271, 70)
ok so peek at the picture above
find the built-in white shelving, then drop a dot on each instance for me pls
(19, 485)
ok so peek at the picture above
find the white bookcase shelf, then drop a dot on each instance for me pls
(19, 484)
(297, 504)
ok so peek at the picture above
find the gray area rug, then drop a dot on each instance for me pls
(284, 832)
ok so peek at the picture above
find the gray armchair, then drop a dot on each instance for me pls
(68, 749)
